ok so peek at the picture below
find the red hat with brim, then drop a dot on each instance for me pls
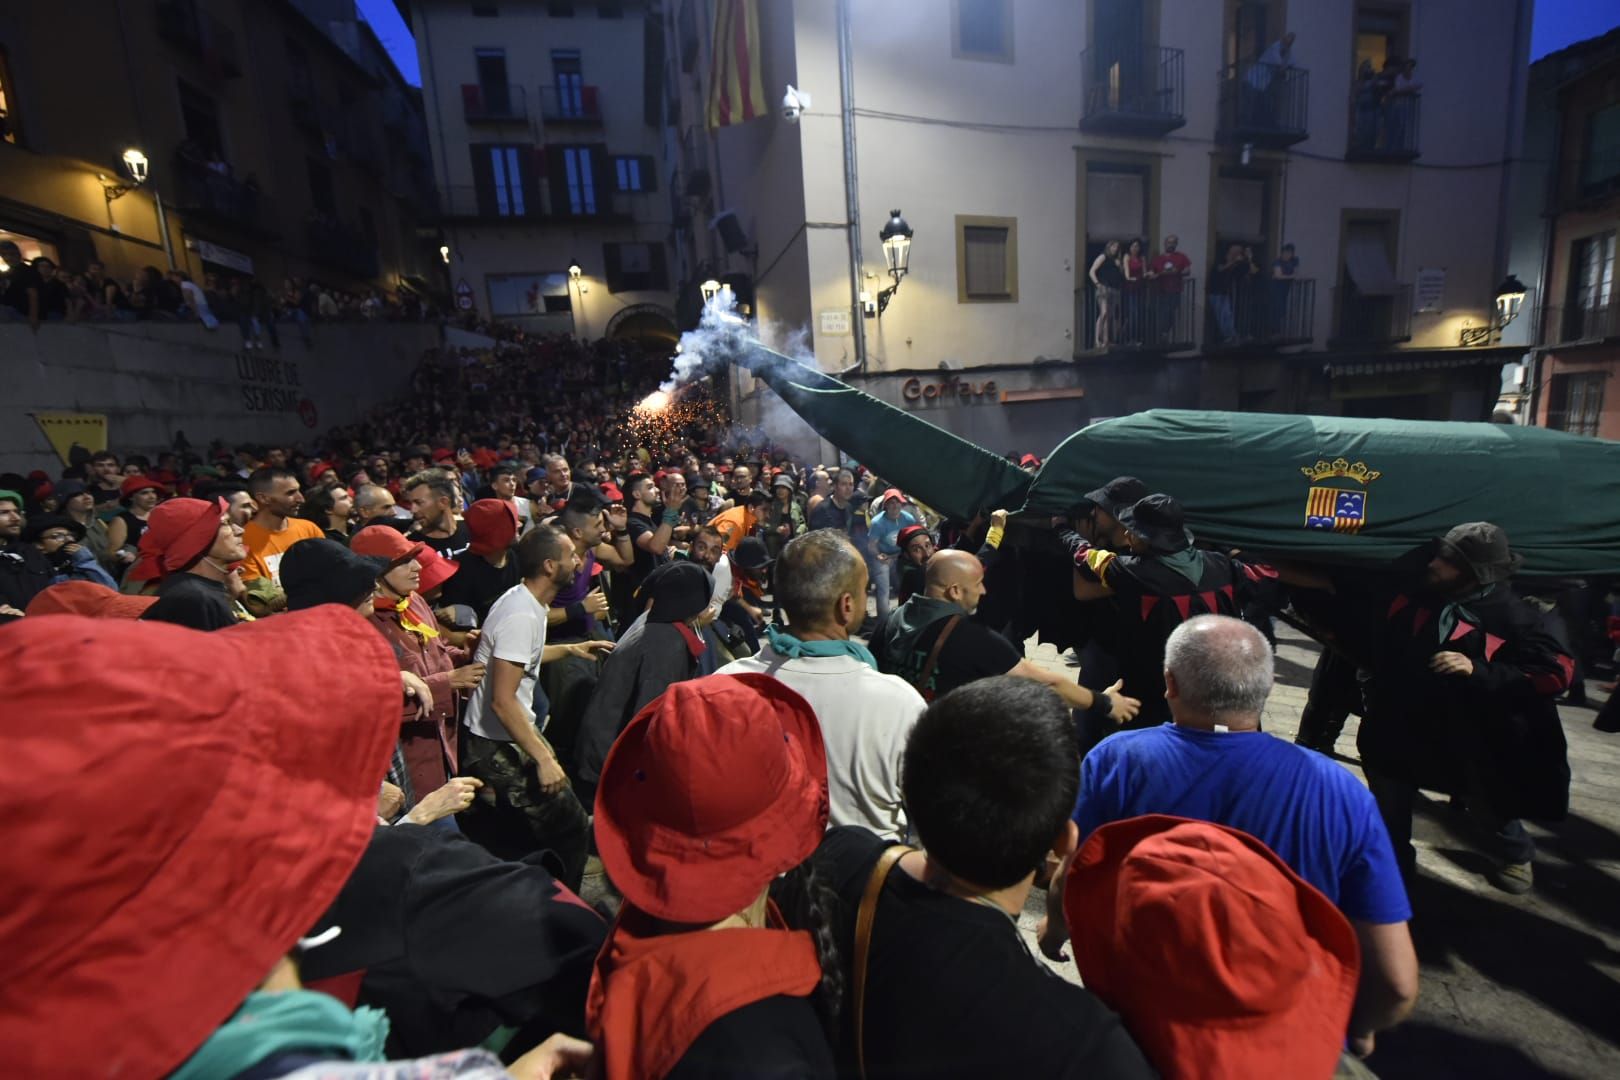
(442, 454)
(388, 543)
(493, 524)
(892, 493)
(133, 484)
(436, 570)
(906, 535)
(201, 818)
(712, 790)
(178, 533)
(88, 598)
(1218, 957)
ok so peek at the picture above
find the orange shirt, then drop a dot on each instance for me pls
(266, 548)
(733, 525)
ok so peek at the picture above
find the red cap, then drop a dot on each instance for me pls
(178, 533)
(715, 788)
(492, 524)
(1029, 459)
(485, 458)
(202, 818)
(436, 570)
(1211, 949)
(88, 598)
(907, 534)
(611, 492)
(320, 469)
(387, 542)
(892, 493)
(443, 454)
(133, 484)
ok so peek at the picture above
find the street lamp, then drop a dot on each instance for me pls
(710, 289)
(444, 253)
(135, 164)
(574, 270)
(896, 238)
(1509, 302)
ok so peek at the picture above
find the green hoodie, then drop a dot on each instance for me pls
(897, 644)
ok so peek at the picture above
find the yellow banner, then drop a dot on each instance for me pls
(68, 429)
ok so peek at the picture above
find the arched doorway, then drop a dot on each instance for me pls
(649, 324)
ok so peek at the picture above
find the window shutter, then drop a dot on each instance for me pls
(557, 180)
(649, 173)
(530, 180)
(483, 179)
(658, 279)
(602, 178)
(611, 268)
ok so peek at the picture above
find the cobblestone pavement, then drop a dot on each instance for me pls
(1512, 986)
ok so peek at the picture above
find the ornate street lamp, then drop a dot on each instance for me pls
(896, 238)
(1509, 302)
(135, 164)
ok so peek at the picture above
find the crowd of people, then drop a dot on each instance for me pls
(38, 291)
(409, 694)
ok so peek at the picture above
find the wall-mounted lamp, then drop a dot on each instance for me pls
(896, 238)
(444, 252)
(135, 165)
(709, 290)
(574, 270)
(1509, 302)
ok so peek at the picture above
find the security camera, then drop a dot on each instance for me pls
(794, 104)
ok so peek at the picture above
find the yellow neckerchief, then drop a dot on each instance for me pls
(421, 630)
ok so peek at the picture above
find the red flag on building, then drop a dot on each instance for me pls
(736, 88)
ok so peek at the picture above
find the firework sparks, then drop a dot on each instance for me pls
(656, 402)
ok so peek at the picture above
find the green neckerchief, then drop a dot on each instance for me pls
(268, 1024)
(1187, 562)
(1454, 611)
(785, 644)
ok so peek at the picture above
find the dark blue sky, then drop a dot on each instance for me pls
(1557, 23)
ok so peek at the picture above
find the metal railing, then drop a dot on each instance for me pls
(1265, 104)
(566, 103)
(494, 104)
(468, 201)
(1146, 319)
(1137, 90)
(1373, 318)
(181, 22)
(1590, 319)
(1264, 311)
(1387, 131)
(207, 192)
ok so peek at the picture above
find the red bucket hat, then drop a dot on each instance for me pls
(436, 570)
(150, 910)
(388, 543)
(492, 524)
(1219, 958)
(715, 788)
(178, 533)
(137, 483)
(88, 598)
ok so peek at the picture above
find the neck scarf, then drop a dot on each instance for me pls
(271, 1023)
(1455, 611)
(785, 644)
(425, 631)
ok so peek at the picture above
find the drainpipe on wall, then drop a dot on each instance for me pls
(846, 86)
(163, 227)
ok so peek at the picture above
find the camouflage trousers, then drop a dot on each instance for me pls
(513, 818)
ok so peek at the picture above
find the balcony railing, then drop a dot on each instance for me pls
(198, 32)
(1267, 313)
(1264, 104)
(572, 105)
(1387, 131)
(1373, 318)
(221, 197)
(494, 104)
(1133, 92)
(1149, 319)
(1596, 320)
(469, 202)
(341, 248)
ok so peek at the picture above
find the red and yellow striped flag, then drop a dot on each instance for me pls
(736, 88)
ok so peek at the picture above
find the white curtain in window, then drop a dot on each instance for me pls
(1366, 258)
(984, 260)
(1116, 205)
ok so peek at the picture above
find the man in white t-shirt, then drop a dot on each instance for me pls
(526, 803)
(865, 716)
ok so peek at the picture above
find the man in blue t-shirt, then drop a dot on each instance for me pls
(1214, 764)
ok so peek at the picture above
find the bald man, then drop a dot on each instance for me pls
(932, 643)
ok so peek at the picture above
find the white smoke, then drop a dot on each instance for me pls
(722, 336)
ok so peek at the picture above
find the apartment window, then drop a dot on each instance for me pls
(492, 81)
(1600, 154)
(574, 173)
(1116, 206)
(1575, 402)
(529, 294)
(321, 195)
(634, 267)
(982, 30)
(569, 75)
(986, 259)
(635, 173)
(486, 8)
(1248, 30)
(504, 178)
(1591, 271)
(1242, 213)
(8, 103)
(1381, 35)
(200, 116)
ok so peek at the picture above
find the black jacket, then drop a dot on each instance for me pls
(24, 573)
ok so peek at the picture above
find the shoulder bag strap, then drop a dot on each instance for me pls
(863, 942)
(933, 655)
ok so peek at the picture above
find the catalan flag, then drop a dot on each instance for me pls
(736, 88)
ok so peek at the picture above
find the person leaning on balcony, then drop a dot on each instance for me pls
(1108, 278)
(1400, 102)
(21, 290)
(1260, 84)
(1169, 268)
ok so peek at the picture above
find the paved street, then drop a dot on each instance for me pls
(1513, 986)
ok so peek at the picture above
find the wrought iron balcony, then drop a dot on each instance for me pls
(1589, 319)
(1263, 313)
(575, 106)
(215, 194)
(1265, 105)
(201, 34)
(494, 104)
(1150, 319)
(1387, 132)
(1138, 91)
(1372, 318)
